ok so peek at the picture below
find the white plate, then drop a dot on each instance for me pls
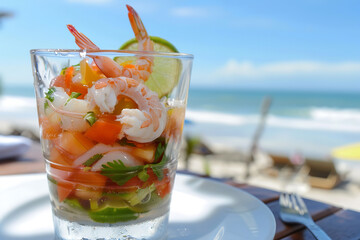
(201, 209)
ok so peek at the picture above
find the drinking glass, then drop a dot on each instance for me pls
(108, 177)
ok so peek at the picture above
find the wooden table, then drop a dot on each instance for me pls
(336, 222)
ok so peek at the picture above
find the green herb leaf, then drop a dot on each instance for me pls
(46, 105)
(93, 159)
(76, 67)
(90, 118)
(124, 142)
(158, 167)
(74, 203)
(143, 175)
(159, 151)
(49, 94)
(113, 215)
(73, 95)
(118, 172)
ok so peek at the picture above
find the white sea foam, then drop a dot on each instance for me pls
(17, 104)
(18, 111)
(216, 117)
(347, 120)
(336, 115)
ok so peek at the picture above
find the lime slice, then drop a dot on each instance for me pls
(160, 45)
(166, 70)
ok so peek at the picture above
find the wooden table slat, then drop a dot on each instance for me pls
(31, 162)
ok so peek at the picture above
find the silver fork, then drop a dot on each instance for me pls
(294, 210)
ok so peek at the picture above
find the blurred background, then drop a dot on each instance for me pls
(268, 77)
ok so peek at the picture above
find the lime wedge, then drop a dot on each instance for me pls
(160, 45)
(166, 70)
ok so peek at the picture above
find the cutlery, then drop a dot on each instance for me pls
(293, 210)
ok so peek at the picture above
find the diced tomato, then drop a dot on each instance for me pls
(88, 178)
(78, 87)
(58, 81)
(50, 130)
(60, 170)
(163, 187)
(72, 144)
(65, 81)
(104, 130)
(64, 189)
(71, 179)
(88, 184)
(59, 160)
(68, 76)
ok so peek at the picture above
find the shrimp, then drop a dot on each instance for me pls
(141, 70)
(144, 124)
(69, 112)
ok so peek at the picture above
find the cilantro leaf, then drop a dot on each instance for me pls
(158, 167)
(49, 94)
(93, 159)
(72, 95)
(90, 118)
(159, 151)
(118, 172)
(125, 142)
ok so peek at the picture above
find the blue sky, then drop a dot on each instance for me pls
(278, 44)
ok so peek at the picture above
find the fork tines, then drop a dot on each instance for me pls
(293, 201)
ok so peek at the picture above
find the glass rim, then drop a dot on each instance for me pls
(68, 52)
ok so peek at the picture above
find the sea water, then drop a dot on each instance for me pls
(310, 123)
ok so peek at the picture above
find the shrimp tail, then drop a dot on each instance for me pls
(136, 24)
(81, 40)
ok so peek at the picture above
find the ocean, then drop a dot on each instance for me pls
(309, 123)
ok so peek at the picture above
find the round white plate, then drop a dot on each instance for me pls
(201, 209)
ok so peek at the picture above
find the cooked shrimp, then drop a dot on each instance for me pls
(143, 64)
(143, 124)
(141, 70)
(62, 105)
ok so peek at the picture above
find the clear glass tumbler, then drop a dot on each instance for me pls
(111, 143)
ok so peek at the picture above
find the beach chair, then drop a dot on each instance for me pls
(322, 173)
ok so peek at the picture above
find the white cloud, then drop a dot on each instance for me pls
(190, 12)
(235, 69)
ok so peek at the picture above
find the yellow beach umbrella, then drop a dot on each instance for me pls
(348, 152)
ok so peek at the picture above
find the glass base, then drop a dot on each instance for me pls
(154, 229)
